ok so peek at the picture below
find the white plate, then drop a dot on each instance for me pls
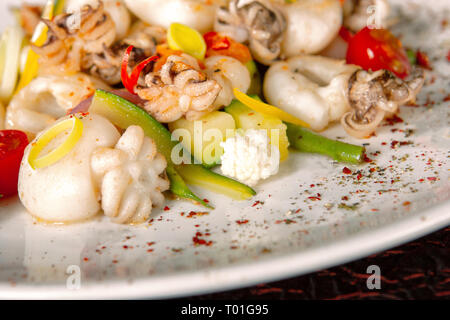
(404, 198)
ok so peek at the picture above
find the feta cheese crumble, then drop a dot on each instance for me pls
(249, 157)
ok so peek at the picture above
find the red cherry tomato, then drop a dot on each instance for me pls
(376, 49)
(12, 145)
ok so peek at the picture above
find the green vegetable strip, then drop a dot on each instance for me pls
(123, 113)
(199, 175)
(307, 141)
(179, 187)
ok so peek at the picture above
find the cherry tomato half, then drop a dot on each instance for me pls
(12, 146)
(376, 49)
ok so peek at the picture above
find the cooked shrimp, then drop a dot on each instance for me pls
(313, 88)
(178, 89)
(46, 99)
(197, 14)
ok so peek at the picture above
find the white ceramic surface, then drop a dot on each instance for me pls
(300, 221)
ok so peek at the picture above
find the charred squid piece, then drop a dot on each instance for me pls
(68, 41)
(97, 29)
(178, 89)
(357, 13)
(106, 65)
(374, 96)
(61, 52)
(257, 22)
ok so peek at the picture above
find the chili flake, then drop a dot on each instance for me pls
(346, 170)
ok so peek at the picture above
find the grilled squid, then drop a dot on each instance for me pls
(122, 175)
(178, 89)
(131, 177)
(313, 88)
(229, 74)
(374, 96)
(48, 98)
(116, 9)
(257, 22)
(69, 38)
(197, 14)
(311, 26)
(277, 29)
(322, 90)
(361, 13)
(106, 65)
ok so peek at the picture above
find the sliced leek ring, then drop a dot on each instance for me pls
(73, 123)
(10, 46)
(267, 109)
(186, 39)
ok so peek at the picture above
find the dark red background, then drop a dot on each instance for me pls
(417, 270)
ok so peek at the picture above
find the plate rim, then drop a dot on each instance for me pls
(218, 279)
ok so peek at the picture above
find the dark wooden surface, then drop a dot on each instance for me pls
(417, 270)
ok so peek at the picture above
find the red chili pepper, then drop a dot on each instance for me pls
(215, 41)
(12, 146)
(376, 49)
(222, 45)
(423, 60)
(129, 82)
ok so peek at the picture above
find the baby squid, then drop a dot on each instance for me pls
(69, 38)
(313, 88)
(374, 96)
(322, 90)
(178, 89)
(275, 29)
(48, 98)
(123, 176)
(229, 73)
(256, 22)
(116, 9)
(106, 65)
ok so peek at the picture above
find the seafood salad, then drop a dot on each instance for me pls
(113, 106)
